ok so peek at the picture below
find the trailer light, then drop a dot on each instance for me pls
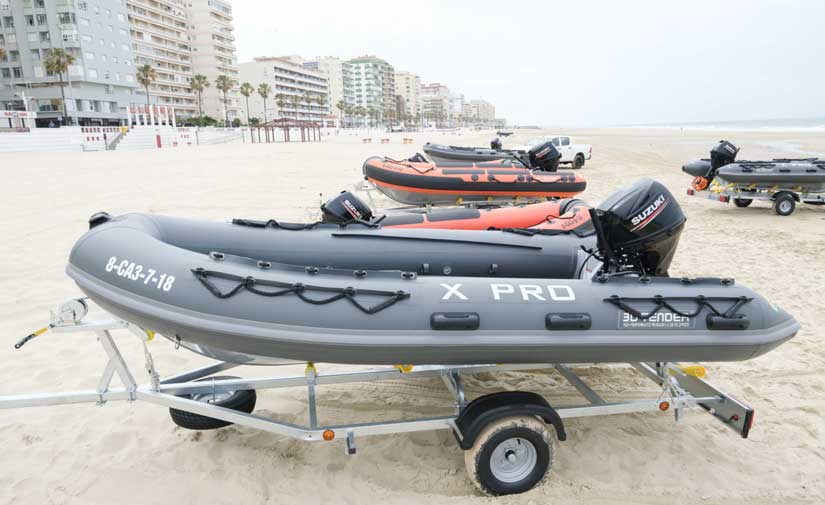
(724, 198)
(664, 406)
(328, 435)
(691, 192)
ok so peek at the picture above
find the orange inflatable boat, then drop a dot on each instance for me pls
(421, 183)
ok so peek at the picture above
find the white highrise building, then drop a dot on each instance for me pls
(303, 93)
(332, 69)
(211, 35)
(408, 87)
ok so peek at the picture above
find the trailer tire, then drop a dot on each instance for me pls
(578, 161)
(242, 401)
(510, 455)
(784, 204)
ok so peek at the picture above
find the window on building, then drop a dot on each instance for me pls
(122, 32)
(11, 38)
(17, 72)
(14, 56)
(92, 73)
(89, 55)
(82, 6)
(38, 71)
(40, 4)
(86, 38)
(110, 28)
(114, 59)
(121, 18)
(129, 78)
(33, 37)
(106, 74)
(8, 22)
(83, 21)
(67, 18)
(41, 19)
(45, 37)
(5, 73)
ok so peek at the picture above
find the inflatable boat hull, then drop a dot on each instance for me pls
(155, 273)
(442, 153)
(804, 175)
(424, 183)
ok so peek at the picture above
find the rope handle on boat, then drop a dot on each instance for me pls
(663, 303)
(298, 289)
(272, 223)
(20, 343)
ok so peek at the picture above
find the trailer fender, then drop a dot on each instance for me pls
(486, 409)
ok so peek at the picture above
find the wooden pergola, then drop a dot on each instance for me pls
(310, 130)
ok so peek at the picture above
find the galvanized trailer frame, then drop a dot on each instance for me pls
(730, 192)
(679, 390)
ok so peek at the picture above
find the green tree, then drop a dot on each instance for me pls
(246, 91)
(224, 84)
(145, 76)
(264, 90)
(342, 107)
(281, 101)
(199, 83)
(295, 103)
(57, 62)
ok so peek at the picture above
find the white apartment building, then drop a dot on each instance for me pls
(98, 86)
(160, 38)
(332, 69)
(480, 111)
(435, 103)
(369, 82)
(302, 93)
(212, 39)
(456, 106)
(408, 87)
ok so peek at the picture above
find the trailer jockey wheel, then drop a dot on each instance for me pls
(742, 202)
(510, 455)
(242, 401)
(784, 204)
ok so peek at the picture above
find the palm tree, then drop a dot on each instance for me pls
(199, 83)
(295, 102)
(280, 100)
(56, 62)
(342, 107)
(145, 76)
(246, 90)
(224, 84)
(264, 90)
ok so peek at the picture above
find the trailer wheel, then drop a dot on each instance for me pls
(511, 455)
(242, 401)
(784, 204)
(578, 161)
(742, 202)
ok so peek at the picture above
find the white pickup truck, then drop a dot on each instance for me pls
(575, 154)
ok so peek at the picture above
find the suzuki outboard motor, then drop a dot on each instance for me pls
(724, 153)
(495, 144)
(638, 228)
(544, 157)
(345, 208)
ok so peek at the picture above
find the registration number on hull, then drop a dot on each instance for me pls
(135, 272)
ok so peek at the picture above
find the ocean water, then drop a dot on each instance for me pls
(784, 124)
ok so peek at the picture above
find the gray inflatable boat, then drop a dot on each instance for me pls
(258, 294)
(800, 174)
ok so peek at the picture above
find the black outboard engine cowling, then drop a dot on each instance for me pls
(639, 227)
(495, 144)
(345, 208)
(544, 157)
(723, 154)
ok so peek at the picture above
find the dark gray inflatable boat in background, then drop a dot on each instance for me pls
(363, 294)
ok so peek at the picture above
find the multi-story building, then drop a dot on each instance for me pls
(211, 35)
(408, 87)
(98, 86)
(480, 111)
(302, 93)
(160, 38)
(456, 107)
(332, 69)
(369, 82)
(435, 103)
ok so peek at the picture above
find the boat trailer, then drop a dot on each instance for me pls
(783, 200)
(506, 436)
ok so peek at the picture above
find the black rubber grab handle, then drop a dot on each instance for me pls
(734, 322)
(455, 321)
(568, 321)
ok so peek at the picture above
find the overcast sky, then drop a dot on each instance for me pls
(577, 62)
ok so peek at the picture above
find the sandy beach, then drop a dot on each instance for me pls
(132, 453)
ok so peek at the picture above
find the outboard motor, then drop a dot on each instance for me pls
(345, 208)
(544, 157)
(724, 153)
(638, 228)
(495, 144)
